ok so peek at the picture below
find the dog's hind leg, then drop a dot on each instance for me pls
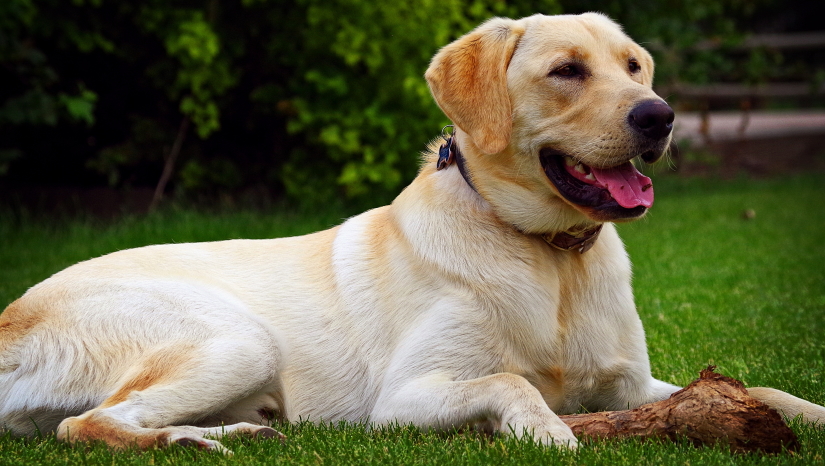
(182, 385)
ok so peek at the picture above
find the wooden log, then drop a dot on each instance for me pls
(712, 409)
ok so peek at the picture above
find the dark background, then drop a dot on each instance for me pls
(306, 101)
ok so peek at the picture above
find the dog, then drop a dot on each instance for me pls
(494, 291)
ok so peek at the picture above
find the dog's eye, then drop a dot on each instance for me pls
(633, 65)
(568, 71)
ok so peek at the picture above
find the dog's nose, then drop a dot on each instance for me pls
(652, 118)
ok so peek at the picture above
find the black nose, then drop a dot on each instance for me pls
(652, 118)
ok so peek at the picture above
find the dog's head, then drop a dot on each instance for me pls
(550, 111)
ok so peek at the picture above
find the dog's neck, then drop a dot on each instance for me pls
(575, 239)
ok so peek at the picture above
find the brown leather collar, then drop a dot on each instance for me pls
(578, 239)
(581, 240)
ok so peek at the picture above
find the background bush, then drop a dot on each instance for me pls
(315, 100)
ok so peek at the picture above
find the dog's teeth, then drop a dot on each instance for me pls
(580, 168)
(569, 161)
(590, 177)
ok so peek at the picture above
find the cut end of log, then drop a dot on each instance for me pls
(713, 409)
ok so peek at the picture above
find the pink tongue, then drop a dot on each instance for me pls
(629, 187)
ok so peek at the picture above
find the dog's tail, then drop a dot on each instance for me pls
(789, 405)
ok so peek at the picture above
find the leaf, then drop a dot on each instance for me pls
(80, 107)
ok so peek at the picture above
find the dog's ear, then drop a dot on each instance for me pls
(468, 79)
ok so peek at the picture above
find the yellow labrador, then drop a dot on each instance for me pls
(493, 291)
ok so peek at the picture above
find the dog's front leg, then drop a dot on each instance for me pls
(505, 400)
(789, 405)
(658, 391)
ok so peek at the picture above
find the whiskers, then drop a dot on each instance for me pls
(668, 158)
(597, 149)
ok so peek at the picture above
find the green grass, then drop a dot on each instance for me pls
(747, 295)
(711, 287)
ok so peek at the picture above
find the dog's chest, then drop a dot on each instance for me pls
(590, 338)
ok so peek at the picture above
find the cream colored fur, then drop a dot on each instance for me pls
(441, 310)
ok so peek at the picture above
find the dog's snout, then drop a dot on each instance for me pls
(652, 118)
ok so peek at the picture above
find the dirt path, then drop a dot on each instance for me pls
(726, 126)
(760, 143)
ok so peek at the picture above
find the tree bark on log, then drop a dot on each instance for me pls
(712, 409)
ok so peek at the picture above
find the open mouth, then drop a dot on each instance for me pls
(619, 191)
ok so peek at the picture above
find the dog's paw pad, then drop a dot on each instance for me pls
(201, 444)
(268, 432)
(188, 442)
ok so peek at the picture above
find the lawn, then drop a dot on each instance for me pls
(747, 295)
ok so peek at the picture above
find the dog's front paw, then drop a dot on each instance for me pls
(557, 438)
(551, 433)
(570, 443)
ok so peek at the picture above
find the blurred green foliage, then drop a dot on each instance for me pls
(318, 100)
(672, 29)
